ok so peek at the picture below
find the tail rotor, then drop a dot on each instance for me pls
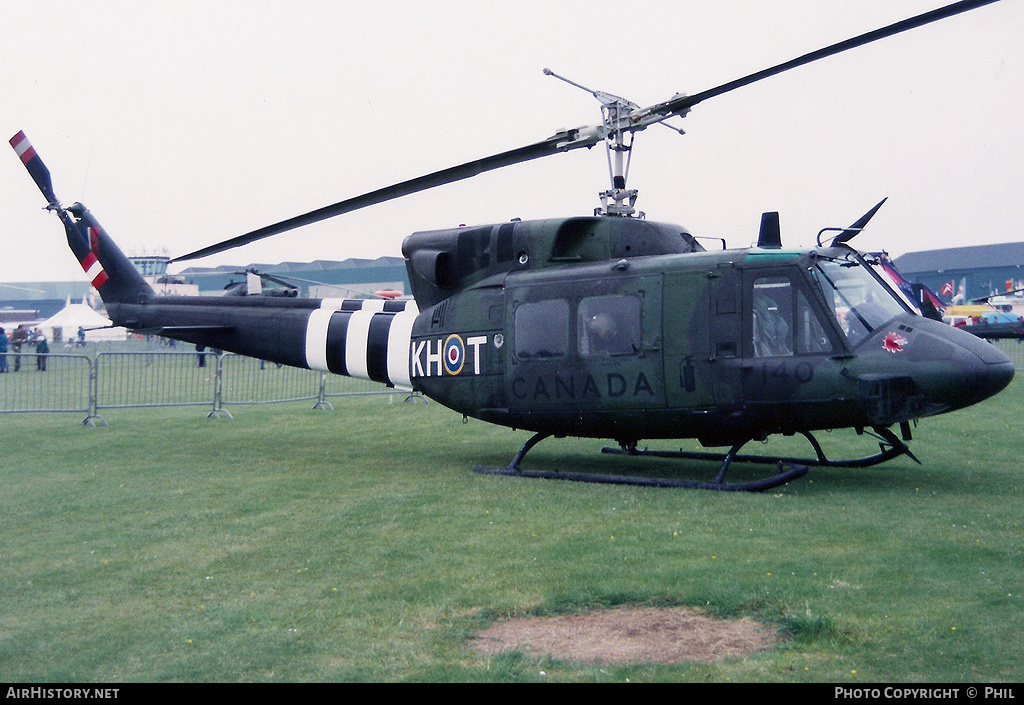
(108, 270)
(40, 174)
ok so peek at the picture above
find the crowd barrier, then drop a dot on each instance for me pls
(1014, 349)
(89, 384)
(79, 383)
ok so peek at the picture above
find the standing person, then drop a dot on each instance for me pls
(42, 350)
(3, 350)
(17, 340)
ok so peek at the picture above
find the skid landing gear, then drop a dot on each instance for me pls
(889, 447)
(786, 473)
(788, 469)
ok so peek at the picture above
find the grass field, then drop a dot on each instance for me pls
(290, 544)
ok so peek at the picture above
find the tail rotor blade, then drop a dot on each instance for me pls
(40, 174)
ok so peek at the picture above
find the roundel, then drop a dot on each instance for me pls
(454, 354)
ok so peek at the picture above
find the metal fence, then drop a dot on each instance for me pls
(1014, 350)
(89, 384)
(54, 382)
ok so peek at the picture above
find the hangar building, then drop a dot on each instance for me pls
(966, 273)
(351, 278)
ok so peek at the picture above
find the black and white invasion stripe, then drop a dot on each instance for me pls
(364, 338)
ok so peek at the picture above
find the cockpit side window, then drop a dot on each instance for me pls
(811, 335)
(858, 301)
(773, 317)
(784, 321)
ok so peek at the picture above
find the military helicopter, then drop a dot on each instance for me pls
(603, 326)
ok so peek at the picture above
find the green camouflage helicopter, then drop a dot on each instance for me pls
(605, 326)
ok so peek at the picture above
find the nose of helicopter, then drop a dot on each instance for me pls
(918, 367)
(958, 369)
(983, 370)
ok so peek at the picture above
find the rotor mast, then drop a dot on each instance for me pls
(619, 147)
(620, 118)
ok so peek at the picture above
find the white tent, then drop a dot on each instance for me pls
(68, 320)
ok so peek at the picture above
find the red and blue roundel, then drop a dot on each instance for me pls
(454, 354)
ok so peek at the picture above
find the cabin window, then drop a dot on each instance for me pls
(773, 317)
(609, 325)
(542, 329)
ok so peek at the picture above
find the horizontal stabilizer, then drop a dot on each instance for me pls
(171, 331)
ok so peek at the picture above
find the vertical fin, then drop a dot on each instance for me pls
(107, 268)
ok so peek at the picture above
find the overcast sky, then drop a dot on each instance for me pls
(183, 123)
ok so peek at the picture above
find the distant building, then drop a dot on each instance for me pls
(966, 273)
(153, 269)
(351, 278)
(45, 298)
(18, 315)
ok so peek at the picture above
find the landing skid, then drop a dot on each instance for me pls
(889, 447)
(786, 472)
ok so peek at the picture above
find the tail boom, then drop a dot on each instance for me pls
(364, 338)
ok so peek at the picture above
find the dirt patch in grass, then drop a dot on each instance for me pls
(629, 636)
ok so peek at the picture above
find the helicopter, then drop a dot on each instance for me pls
(605, 326)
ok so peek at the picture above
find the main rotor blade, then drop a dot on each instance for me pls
(560, 142)
(681, 104)
(573, 139)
